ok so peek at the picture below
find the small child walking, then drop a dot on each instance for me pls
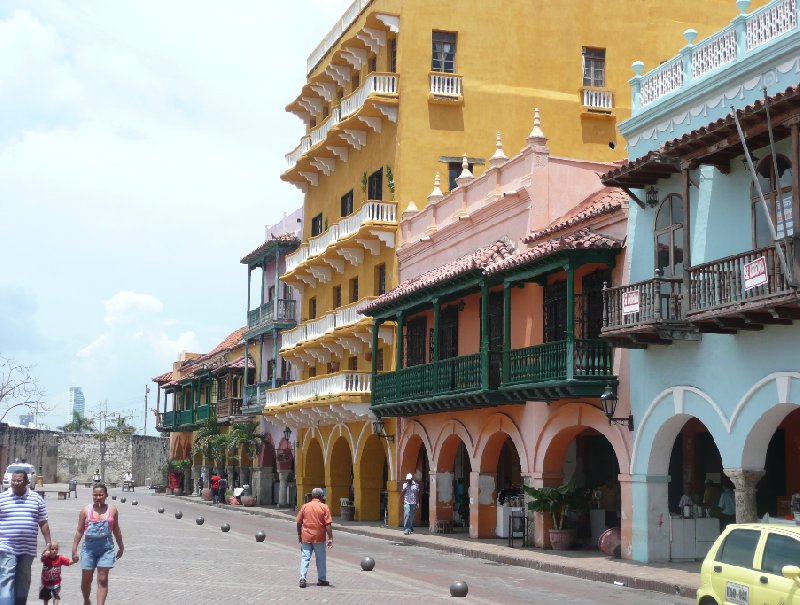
(51, 574)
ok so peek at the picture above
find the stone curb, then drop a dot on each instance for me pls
(627, 580)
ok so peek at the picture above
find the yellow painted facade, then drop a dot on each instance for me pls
(510, 57)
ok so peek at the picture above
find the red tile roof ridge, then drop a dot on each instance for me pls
(165, 377)
(285, 237)
(606, 201)
(476, 260)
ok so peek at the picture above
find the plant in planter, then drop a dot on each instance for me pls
(556, 501)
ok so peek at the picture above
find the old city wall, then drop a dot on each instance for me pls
(59, 457)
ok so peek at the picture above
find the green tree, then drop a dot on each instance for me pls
(119, 427)
(79, 424)
(243, 437)
(204, 439)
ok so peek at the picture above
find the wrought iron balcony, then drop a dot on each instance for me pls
(646, 312)
(742, 292)
(546, 371)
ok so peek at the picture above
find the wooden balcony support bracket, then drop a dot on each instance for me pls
(355, 256)
(386, 334)
(634, 197)
(372, 121)
(387, 237)
(323, 274)
(339, 152)
(390, 111)
(354, 56)
(353, 345)
(336, 263)
(373, 245)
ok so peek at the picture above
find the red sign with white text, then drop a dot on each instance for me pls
(755, 273)
(630, 302)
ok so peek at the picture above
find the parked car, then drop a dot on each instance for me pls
(16, 467)
(752, 563)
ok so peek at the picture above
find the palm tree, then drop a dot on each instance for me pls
(204, 439)
(243, 438)
(79, 424)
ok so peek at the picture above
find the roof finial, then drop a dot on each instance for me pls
(499, 156)
(436, 194)
(536, 139)
(466, 176)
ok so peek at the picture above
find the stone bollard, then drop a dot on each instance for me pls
(225, 527)
(161, 509)
(260, 536)
(199, 520)
(134, 502)
(178, 514)
(367, 564)
(458, 589)
(122, 499)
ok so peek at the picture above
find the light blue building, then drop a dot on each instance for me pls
(710, 302)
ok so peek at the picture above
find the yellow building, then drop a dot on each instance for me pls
(398, 92)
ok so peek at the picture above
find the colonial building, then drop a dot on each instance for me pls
(395, 93)
(711, 278)
(499, 367)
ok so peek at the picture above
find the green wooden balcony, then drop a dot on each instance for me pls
(552, 370)
(265, 318)
(184, 417)
(202, 413)
(167, 421)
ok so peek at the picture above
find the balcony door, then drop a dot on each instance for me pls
(448, 332)
(777, 189)
(669, 237)
(375, 185)
(589, 305)
(415, 341)
(555, 312)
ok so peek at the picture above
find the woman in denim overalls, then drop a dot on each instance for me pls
(97, 523)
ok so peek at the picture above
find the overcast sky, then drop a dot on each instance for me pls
(141, 144)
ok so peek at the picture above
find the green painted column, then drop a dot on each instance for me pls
(484, 335)
(506, 332)
(570, 321)
(244, 385)
(398, 350)
(275, 334)
(249, 278)
(261, 358)
(435, 361)
(263, 278)
(277, 291)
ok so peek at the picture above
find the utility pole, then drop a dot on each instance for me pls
(146, 391)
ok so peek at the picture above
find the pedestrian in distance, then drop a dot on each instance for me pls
(223, 487)
(314, 524)
(97, 478)
(51, 574)
(22, 515)
(97, 522)
(214, 487)
(410, 501)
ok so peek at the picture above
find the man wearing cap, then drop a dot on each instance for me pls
(410, 498)
(313, 525)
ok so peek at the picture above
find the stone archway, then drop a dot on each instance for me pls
(371, 475)
(414, 458)
(453, 481)
(339, 474)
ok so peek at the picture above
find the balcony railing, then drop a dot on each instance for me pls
(316, 328)
(184, 417)
(336, 32)
(544, 363)
(722, 283)
(370, 212)
(598, 98)
(380, 84)
(168, 420)
(202, 413)
(646, 302)
(727, 46)
(333, 385)
(321, 132)
(265, 314)
(230, 406)
(445, 85)
(295, 154)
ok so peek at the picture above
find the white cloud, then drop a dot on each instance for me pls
(131, 307)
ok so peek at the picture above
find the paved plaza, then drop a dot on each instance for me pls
(178, 561)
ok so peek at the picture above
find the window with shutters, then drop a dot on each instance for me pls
(443, 52)
(416, 331)
(555, 312)
(594, 67)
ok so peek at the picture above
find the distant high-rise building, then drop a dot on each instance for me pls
(26, 419)
(76, 400)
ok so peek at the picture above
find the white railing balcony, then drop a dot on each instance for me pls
(445, 85)
(333, 385)
(349, 315)
(321, 132)
(295, 154)
(296, 258)
(370, 212)
(319, 243)
(726, 47)
(598, 98)
(346, 20)
(291, 338)
(381, 84)
(317, 328)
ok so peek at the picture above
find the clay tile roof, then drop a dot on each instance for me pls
(474, 261)
(165, 377)
(229, 342)
(581, 239)
(239, 363)
(606, 201)
(287, 238)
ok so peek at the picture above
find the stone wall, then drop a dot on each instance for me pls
(59, 457)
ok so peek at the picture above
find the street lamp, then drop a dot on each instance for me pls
(287, 433)
(609, 401)
(380, 430)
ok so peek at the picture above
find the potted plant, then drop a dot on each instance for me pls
(556, 501)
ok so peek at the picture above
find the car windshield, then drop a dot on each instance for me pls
(18, 468)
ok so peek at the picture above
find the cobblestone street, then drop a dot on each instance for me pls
(177, 561)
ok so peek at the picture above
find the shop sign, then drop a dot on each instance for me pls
(630, 302)
(755, 273)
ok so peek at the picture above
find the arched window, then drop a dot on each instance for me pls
(669, 236)
(777, 191)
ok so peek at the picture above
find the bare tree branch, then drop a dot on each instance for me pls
(20, 388)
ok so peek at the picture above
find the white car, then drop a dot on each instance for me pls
(16, 467)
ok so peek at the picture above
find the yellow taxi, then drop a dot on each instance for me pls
(752, 564)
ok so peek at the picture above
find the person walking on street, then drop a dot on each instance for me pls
(314, 524)
(51, 574)
(223, 487)
(97, 522)
(22, 515)
(214, 487)
(410, 501)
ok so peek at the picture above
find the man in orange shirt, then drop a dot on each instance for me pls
(313, 525)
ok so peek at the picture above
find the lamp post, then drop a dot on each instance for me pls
(380, 430)
(609, 401)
